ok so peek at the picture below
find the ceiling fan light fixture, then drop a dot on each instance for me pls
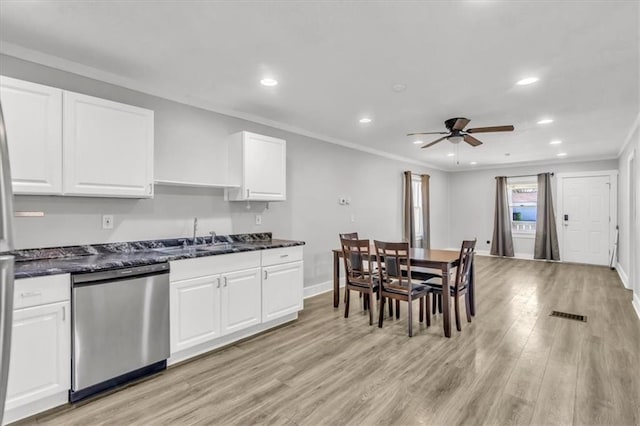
(455, 139)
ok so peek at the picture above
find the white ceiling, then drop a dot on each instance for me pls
(337, 62)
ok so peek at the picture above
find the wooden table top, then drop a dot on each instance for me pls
(427, 255)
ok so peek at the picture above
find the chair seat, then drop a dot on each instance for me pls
(422, 275)
(364, 285)
(415, 290)
(437, 288)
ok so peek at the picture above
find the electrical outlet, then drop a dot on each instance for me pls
(107, 221)
(258, 219)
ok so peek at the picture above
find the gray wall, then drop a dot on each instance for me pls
(629, 241)
(472, 208)
(189, 143)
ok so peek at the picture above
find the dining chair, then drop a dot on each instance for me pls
(358, 274)
(460, 285)
(394, 272)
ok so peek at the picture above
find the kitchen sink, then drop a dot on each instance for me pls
(194, 249)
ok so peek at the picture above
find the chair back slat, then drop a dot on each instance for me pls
(463, 274)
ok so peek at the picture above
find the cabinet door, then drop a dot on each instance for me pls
(33, 121)
(108, 148)
(264, 167)
(195, 312)
(40, 354)
(281, 290)
(240, 300)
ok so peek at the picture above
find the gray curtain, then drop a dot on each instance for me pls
(409, 235)
(546, 232)
(426, 214)
(502, 243)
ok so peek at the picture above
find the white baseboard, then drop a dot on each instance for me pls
(316, 289)
(636, 304)
(524, 256)
(623, 276)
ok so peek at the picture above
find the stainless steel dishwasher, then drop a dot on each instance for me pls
(120, 327)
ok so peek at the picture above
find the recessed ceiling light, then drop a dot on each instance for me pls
(526, 81)
(451, 154)
(269, 82)
(545, 121)
(399, 87)
(556, 142)
(473, 163)
(562, 154)
(417, 142)
(365, 120)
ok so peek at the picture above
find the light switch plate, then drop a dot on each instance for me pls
(258, 219)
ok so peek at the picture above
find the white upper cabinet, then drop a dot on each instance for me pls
(65, 143)
(108, 148)
(258, 164)
(33, 120)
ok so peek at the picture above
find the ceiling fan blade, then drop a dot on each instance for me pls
(428, 133)
(460, 123)
(490, 129)
(434, 142)
(471, 140)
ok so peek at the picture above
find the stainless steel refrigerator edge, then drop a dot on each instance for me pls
(6, 264)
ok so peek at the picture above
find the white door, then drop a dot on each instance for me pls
(281, 290)
(241, 300)
(40, 364)
(195, 312)
(585, 219)
(33, 121)
(108, 148)
(264, 167)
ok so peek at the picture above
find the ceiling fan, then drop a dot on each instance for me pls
(456, 132)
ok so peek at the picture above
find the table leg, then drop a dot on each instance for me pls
(446, 320)
(336, 279)
(472, 289)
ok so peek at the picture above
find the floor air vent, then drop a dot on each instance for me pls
(567, 315)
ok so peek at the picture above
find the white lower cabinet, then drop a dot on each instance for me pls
(40, 364)
(241, 298)
(281, 290)
(219, 299)
(194, 317)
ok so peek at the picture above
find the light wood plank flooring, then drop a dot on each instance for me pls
(513, 365)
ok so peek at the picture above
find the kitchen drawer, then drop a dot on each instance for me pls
(41, 290)
(281, 255)
(209, 265)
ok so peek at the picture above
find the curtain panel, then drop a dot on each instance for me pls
(502, 242)
(546, 232)
(409, 228)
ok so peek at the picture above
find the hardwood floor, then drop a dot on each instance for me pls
(513, 365)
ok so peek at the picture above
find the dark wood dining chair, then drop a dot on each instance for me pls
(358, 274)
(460, 285)
(394, 272)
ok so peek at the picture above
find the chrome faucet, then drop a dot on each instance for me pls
(195, 228)
(213, 237)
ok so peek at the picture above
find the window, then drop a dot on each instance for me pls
(523, 206)
(416, 191)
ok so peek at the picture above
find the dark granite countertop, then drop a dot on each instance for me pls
(102, 257)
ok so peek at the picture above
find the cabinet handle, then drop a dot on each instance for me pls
(248, 193)
(284, 255)
(31, 294)
(218, 282)
(266, 275)
(150, 188)
(225, 281)
(64, 313)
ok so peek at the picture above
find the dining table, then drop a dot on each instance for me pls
(443, 260)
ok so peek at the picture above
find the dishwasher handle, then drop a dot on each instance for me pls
(119, 274)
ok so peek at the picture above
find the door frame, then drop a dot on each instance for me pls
(613, 203)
